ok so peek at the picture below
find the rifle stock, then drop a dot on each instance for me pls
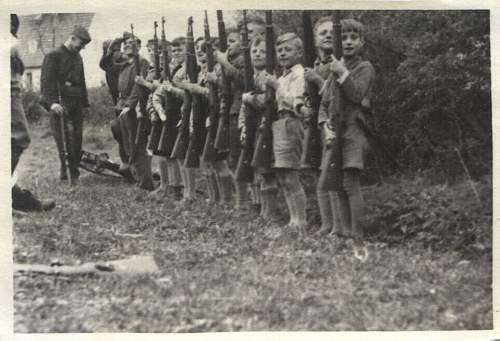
(244, 171)
(65, 144)
(263, 156)
(209, 152)
(331, 176)
(311, 144)
(169, 131)
(222, 137)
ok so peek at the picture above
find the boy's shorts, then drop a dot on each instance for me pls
(354, 148)
(288, 133)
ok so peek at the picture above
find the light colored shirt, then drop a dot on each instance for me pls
(291, 91)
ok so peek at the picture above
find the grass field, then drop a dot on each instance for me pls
(224, 272)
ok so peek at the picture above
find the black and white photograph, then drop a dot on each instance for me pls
(249, 170)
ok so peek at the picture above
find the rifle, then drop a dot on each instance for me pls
(67, 155)
(222, 138)
(263, 156)
(311, 145)
(331, 176)
(209, 152)
(156, 124)
(169, 131)
(244, 171)
(197, 138)
(142, 99)
(100, 163)
(181, 143)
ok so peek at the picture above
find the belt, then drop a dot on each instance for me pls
(283, 113)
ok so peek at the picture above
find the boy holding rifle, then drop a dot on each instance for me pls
(327, 199)
(253, 103)
(355, 78)
(288, 130)
(166, 103)
(232, 64)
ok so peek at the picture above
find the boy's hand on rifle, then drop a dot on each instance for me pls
(247, 98)
(220, 57)
(57, 108)
(311, 76)
(124, 111)
(162, 116)
(140, 80)
(243, 135)
(329, 133)
(271, 80)
(211, 77)
(337, 66)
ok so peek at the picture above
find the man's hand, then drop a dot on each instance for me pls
(124, 111)
(337, 66)
(139, 114)
(311, 76)
(57, 108)
(207, 122)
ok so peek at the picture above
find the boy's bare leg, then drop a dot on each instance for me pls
(213, 191)
(191, 183)
(175, 180)
(241, 195)
(224, 180)
(183, 177)
(298, 199)
(163, 165)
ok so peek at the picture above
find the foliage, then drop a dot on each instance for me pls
(445, 217)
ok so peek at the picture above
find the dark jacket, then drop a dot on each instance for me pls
(62, 73)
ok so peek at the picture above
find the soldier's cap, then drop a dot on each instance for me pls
(82, 33)
(287, 37)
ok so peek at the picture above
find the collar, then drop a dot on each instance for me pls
(294, 68)
(352, 63)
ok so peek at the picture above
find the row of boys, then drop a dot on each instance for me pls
(341, 211)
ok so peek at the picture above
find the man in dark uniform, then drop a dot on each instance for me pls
(22, 200)
(64, 92)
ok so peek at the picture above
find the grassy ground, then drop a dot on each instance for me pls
(221, 272)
